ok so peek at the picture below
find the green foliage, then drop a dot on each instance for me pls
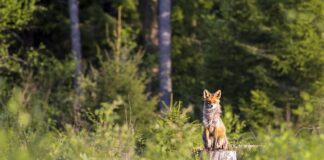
(286, 145)
(264, 49)
(121, 79)
(22, 139)
(266, 56)
(15, 14)
(235, 126)
(118, 76)
(106, 141)
(171, 136)
(187, 50)
(260, 113)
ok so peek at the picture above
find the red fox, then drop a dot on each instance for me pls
(214, 135)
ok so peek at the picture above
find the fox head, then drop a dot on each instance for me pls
(211, 100)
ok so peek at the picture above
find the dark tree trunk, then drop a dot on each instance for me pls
(288, 113)
(148, 10)
(164, 52)
(76, 50)
(149, 17)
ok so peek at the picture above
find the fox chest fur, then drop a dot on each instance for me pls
(213, 122)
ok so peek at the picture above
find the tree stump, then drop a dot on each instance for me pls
(221, 155)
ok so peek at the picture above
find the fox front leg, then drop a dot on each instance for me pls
(216, 139)
(224, 146)
(222, 143)
(207, 139)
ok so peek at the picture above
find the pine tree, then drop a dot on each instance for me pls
(271, 49)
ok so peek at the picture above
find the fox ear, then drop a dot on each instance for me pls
(206, 93)
(218, 94)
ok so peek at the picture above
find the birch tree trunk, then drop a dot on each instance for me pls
(164, 52)
(76, 50)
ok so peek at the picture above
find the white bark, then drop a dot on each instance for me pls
(164, 51)
(76, 50)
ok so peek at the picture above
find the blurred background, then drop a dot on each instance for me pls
(123, 79)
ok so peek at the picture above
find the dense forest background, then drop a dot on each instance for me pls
(267, 57)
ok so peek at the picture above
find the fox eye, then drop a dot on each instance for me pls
(208, 102)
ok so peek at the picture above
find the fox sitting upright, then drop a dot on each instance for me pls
(214, 135)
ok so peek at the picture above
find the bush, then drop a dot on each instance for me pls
(286, 145)
(22, 139)
(171, 136)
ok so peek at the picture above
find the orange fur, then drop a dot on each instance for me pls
(214, 135)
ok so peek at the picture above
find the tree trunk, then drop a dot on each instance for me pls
(76, 50)
(288, 113)
(221, 155)
(148, 10)
(148, 13)
(164, 52)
